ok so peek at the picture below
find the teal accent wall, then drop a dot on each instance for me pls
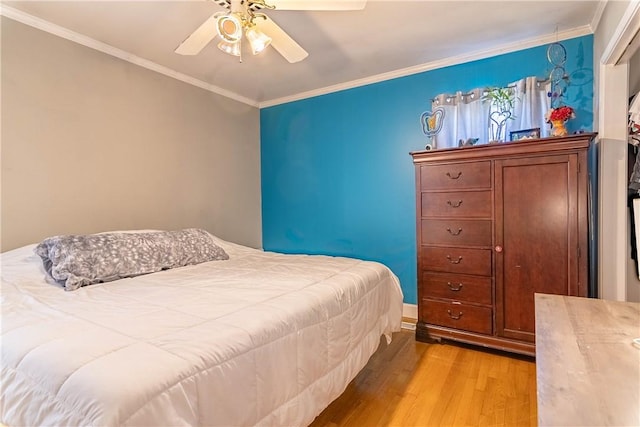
(337, 177)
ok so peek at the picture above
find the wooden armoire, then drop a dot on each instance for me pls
(496, 224)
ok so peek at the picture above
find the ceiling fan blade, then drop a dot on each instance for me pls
(317, 4)
(193, 44)
(281, 41)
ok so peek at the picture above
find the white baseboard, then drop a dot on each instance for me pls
(409, 311)
(408, 326)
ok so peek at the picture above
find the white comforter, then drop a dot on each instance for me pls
(260, 339)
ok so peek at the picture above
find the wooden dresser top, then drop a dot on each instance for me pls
(531, 146)
(587, 366)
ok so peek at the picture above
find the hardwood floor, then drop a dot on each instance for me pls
(408, 383)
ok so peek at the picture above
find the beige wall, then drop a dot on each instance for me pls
(91, 143)
(608, 24)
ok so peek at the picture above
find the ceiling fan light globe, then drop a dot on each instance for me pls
(257, 40)
(229, 28)
(230, 48)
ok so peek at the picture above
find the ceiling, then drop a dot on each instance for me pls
(346, 48)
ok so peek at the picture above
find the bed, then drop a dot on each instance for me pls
(258, 339)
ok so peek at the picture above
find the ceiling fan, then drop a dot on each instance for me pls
(246, 17)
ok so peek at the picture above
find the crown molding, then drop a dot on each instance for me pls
(454, 60)
(597, 16)
(41, 24)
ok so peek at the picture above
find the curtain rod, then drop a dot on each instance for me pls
(472, 93)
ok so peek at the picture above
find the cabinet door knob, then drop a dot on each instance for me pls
(498, 248)
(454, 316)
(454, 289)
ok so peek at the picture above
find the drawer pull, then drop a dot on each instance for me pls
(454, 177)
(456, 289)
(454, 261)
(454, 204)
(454, 233)
(454, 316)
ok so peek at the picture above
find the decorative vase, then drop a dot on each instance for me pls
(558, 128)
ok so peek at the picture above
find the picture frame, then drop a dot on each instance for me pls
(517, 135)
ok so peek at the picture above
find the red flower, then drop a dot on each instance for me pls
(563, 113)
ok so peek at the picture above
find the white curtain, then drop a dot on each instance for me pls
(463, 118)
(531, 104)
(467, 115)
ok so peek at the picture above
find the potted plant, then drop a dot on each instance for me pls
(558, 117)
(502, 101)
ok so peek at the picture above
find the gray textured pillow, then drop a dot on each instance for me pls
(80, 260)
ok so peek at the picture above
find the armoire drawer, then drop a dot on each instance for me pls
(456, 232)
(470, 204)
(456, 260)
(453, 176)
(459, 287)
(457, 315)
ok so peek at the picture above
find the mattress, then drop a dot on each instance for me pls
(260, 339)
